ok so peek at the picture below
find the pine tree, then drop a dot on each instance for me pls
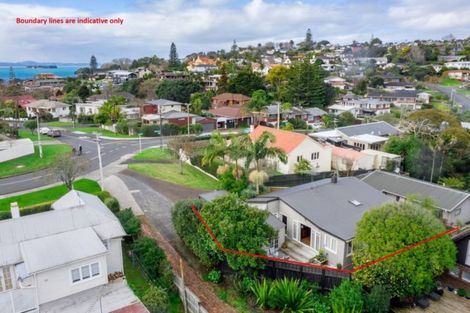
(173, 62)
(93, 64)
(234, 46)
(12, 75)
(308, 43)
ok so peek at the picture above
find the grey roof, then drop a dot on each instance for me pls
(274, 222)
(393, 94)
(83, 211)
(163, 102)
(209, 196)
(327, 205)
(315, 111)
(177, 114)
(376, 128)
(59, 249)
(446, 198)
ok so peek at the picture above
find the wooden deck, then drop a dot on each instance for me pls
(449, 303)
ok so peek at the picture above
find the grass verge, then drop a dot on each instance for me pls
(34, 136)
(102, 132)
(191, 177)
(155, 154)
(48, 195)
(448, 82)
(32, 163)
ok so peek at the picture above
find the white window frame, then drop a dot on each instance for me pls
(296, 230)
(467, 257)
(328, 243)
(347, 246)
(316, 245)
(80, 272)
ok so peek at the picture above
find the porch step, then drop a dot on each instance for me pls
(298, 251)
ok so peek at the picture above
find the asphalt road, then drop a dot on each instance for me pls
(458, 98)
(111, 150)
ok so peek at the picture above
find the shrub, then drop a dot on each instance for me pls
(461, 292)
(112, 203)
(4, 215)
(347, 298)
(150, 130)
(264, 294)
(321, 304)
(122, 127)
(213, 276)
(129, 222)
(378, 300)
(153, 261)
(103, 195)
(85, 119)
(290, 296)
(156, 299)
(231, 184)
(243, 285)
(298, 123)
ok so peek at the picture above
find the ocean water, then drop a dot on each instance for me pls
(22, 72)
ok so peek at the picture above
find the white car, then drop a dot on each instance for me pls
(44, 130)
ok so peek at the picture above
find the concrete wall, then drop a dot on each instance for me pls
(57, 283)
(12, 149)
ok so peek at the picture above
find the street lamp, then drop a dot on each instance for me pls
(39, 135)
(98, 141)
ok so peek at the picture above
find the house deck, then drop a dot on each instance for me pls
(298, 251)
(449, 303)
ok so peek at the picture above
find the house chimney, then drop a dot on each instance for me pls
(334, 178)
(15, 210)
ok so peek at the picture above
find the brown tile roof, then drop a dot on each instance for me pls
(231, 97)
(229, 111)
(285, 140)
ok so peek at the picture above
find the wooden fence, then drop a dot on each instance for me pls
(190, 300)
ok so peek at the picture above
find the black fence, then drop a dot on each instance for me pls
(290, 180)
(326, 279)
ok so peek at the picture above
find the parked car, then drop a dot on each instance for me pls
(44, 130)
(54, 133)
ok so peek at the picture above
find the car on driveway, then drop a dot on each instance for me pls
(54, 133)
(44, 130)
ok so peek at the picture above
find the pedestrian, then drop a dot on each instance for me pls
(80, 150)
(74, 151)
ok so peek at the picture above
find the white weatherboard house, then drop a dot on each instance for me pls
(321, 216)
(51, 255)
(296, 147)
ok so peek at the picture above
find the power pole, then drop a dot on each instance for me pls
(39, 135)
(98, 141)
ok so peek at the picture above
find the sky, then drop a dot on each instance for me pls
(202, 25)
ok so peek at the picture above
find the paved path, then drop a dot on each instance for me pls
(461, 99)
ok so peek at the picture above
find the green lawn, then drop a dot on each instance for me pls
(440, 105)
(102, 132)
(155, 154)
(464, 91)
(139, 283)
(191, 177)
(34, 137)
(448, 82)
(48, 195)
(32, 163)
(58, 124)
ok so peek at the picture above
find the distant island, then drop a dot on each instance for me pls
(41, 66)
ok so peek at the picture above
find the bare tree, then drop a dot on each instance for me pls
(68, 169)
(182, 146)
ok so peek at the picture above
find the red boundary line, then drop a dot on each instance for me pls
(325, 267)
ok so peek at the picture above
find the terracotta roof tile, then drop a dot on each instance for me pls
(285, 140)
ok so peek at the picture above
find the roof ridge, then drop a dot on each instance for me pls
(422, 181)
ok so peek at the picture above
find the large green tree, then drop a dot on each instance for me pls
(245, 82)
(394, 226)
(305, 85)
(173, 61)
(177, 90)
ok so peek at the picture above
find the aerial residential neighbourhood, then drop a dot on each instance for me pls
(222, 156)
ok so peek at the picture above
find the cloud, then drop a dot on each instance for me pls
(202, 25)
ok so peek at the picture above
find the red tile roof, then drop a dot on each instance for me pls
(231, 97)
(232, 111)
(22, 100)
(285, 140)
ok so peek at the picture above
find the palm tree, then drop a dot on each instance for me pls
(237, 149)
(258, 150)
(215, 150)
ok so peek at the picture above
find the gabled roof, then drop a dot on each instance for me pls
(285, 140)
(328, 205)
(59, 249)
(446, 198)
(162, 102)
(83, 211)
(46, 104)
(376, 128)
